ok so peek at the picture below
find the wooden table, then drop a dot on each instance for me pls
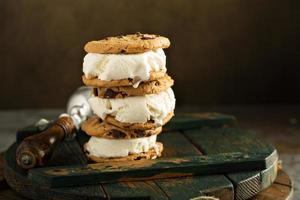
(277, 124)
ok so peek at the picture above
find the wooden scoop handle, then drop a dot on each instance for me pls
(37, 149)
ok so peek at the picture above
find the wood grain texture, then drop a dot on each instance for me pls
(208, 140)
(176, 144)
(72, 175)
(194, 187)
(246, 184)
(66, 193)
(135, 190)
(281, 189)
(276, 191)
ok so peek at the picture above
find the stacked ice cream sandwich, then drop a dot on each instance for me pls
(132, 97)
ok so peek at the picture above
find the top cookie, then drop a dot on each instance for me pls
(128, 44)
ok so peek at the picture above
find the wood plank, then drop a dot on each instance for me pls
(67, 153)
(150, 189)
(214, 141)
(134, 190)
(246, 184)
(220, 140)
(283, 179)
(146, 169)
(277, 191)
(195, 187)
(214, 185)
(72, 193)
(177, 145)
(186, 121)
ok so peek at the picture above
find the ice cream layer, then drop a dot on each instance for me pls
(138, 109)
(102, 147)
(109, 67)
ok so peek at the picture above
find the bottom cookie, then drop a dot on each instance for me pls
(153, 153)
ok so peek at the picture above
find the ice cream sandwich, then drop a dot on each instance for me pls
(132, 97)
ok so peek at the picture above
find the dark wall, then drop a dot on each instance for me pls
(223, 51)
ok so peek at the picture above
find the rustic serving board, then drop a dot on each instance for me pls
(192, 138)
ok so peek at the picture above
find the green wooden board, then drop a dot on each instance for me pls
(177, 145)
(77, 175)
(239, 143)
(193, 187)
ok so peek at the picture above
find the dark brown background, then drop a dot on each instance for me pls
(223, 51)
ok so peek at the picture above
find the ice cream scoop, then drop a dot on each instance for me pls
(109, 148)
(36, 150)
(138, 109)
(137, 67)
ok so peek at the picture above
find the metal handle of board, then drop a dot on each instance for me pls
(37, 149)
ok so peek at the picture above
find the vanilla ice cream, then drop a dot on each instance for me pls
(102, 147)
(109, 67)
(138, 109)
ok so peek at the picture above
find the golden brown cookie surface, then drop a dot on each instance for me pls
(95, 82)
(94, 126)
(149, 87)
(151, 154)
(141, 126)
(127, 44)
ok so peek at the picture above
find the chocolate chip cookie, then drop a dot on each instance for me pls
(149, 87)
(140, 126)
(127, 44)
(95, 82)
(94, 126)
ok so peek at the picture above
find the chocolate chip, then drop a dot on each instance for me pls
(139, 133)
(157, 83)
(109, 93)
(123, 51)
(138, 158)
(124, 94)
(117, 134)
(95, 91)
(130, 79)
